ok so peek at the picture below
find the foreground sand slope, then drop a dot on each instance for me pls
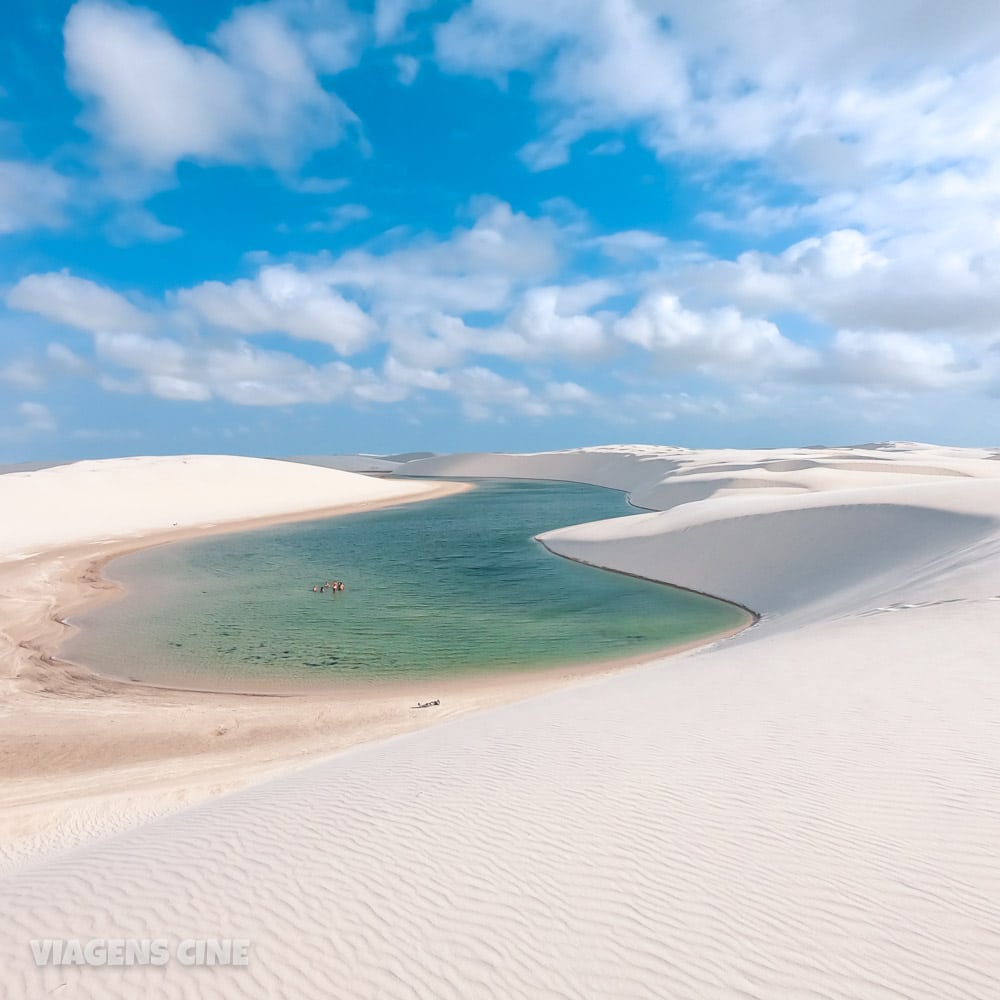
(807, 811)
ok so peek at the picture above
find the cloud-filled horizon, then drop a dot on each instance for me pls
(299, 227)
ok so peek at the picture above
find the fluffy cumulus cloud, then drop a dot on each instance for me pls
(236, 372)
(848, 279)
(476, 268)
(720, 341)
(64, 298)
(436, 309)
(903, 361)
(418, 299)
(427, 316)
(837, 101)
(483, 393)
(173, 354)
(282, 299)
(551, 321)
(253, 96)
(873, 126)
(847, 180)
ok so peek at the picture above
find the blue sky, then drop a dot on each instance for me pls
(303, 226)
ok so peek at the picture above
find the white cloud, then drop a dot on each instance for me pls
(391, 15)
(443, 306)
(31, 195)
(238, 373)
(670, 406)
(64, 298)
(134, 224)
(24, 373)
(253, 98)
(846, 279)
(318, 185)
(282, 299)
(399, 373)
(547, 322)
(251, 377)
(493, 37)
(407, 68)
(612, 63)
(884, 115)
(611, 147)
(36, 416)
(173, 387)
(720, 341)
(427, 296)
(476, 269)
(340, 217)
(136, 351)
(632, 245)
(329, 31)
(482, 392)
(571, 393)
(901, 360)
(65, 360)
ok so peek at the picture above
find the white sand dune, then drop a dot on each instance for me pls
(807, 811)
(131, 497)
(348, 463)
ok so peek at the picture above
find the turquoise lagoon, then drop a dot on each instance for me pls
(442, 587)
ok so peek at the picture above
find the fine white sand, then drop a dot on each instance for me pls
(130, 497)
(809, 810)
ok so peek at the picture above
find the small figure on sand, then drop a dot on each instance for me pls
(428, 704)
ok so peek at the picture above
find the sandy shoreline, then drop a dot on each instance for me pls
(83, 753)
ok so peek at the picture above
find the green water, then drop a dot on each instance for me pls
(451, 585)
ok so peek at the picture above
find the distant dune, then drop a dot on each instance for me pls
(347, 463)
(28, 466)
(408, 456)
(121, 497)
